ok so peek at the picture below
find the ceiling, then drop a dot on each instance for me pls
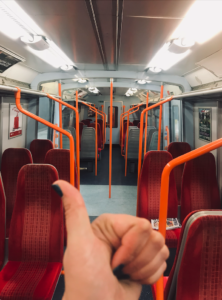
(95, 39)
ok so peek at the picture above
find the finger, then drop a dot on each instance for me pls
(127, 234)
(153, 245)
(150, 269)
(77, 220)
(153, 279)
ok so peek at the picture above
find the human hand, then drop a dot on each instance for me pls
(95, 250)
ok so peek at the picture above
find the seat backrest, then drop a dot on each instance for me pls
(177, 149)
(199, 185)
(60, 159)
(99, 134)
(135, 122)
(197, 271)
(150, 183)
(133, 143)
(154, 141)
(2, 223)
(86, 122)
(36, 232)
(39, 148)
(88, 143)
(13, 159)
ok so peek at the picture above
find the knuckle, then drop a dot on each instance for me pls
(143, 224)
(158, 239)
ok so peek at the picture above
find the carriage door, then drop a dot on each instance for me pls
(117, 110)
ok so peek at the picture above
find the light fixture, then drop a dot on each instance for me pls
(66, 67)
(155, 69)
(131, 91)
(16, 23)
(142, 81)
(82, 80)
(201, 22)
(93, 90)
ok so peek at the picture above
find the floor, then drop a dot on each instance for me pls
(95, 192)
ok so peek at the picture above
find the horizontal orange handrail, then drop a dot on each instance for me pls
(165, 191)
(27, 113)
(77, 135)
(167, 137)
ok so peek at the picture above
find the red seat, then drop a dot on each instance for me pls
(13, 159)
(2, 223)
(199, 185)
(35, 238)
(197, 271)
(177, 149)
(136, 122)
(149, 192)
(86, 122)
(100, 121)
(39, 148)
(99, 136)
(138, 125)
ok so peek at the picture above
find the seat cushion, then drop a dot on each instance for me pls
(172, 237)
(29, 280)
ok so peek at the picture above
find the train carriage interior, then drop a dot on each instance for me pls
(123, 100)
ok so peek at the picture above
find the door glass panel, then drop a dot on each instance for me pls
(175, 110)
(115, 116)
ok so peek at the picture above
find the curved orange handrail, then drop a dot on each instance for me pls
(77, 134)
(127, 138)
(167, 137)
(165, 191)
(27, 113)
(145, 133)
(55, 135)
(141, 138)
(60, 115)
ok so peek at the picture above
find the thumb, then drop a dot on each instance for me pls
(76, 216)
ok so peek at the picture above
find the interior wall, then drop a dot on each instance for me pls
(205, 104)
(17, 142)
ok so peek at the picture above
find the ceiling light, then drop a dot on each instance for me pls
(141, 81)
(66, 67)
(93, 90)
(202, 21)
(36, 42)
(82, 80)
(130, 92)
(134, 90)
(155, 69)
(16, 23)
(149, 81)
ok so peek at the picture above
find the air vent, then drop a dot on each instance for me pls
(8, 59)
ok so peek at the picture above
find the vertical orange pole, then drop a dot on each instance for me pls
(160, 118)
(147, 100)
(96, 146)
(77, 141)
(60, 115)
(126, 150)
(110, 137)
(124, 108)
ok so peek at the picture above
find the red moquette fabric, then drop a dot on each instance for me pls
(39, 148)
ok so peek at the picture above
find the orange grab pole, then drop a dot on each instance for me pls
(60, 115)
(167, 137)
(127, 137)
(77, 136)
(160, 119)
(95, 110)
(25, 112)
(141, 138)
(102, 106)
(78, 163)
(164, 191)
(104, 127)
(145, 133)
(110, 136)
(55, 135)
(120, 129)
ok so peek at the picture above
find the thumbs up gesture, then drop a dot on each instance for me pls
(111, 258)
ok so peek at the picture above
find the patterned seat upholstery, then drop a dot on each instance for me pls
(2, 223)
(35, 238)
(86, 122)
(39, 148)
(136, 122)
(100, 121)
(149, 192)
(197, 271)
(199, 185)
(177, 149)
(13, 159)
